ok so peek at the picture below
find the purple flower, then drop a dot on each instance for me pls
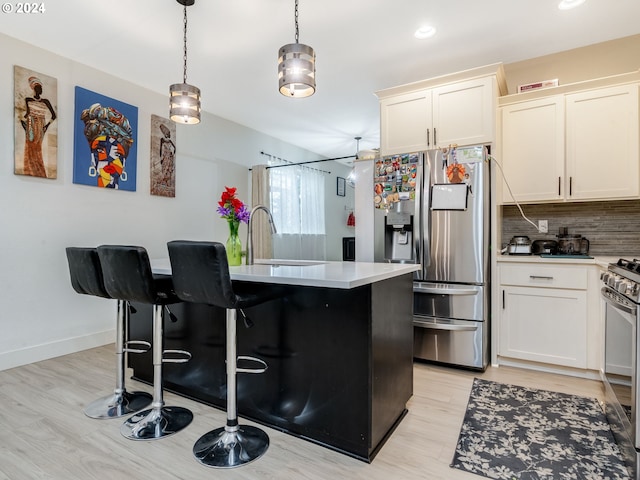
(224, 212)
(243, 214)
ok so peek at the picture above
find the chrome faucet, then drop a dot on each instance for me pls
(250, 230)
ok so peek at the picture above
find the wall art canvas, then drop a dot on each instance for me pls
(36, 128)
(104, 141)
(163, 157)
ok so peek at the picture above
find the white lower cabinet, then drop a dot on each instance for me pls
(544, 316)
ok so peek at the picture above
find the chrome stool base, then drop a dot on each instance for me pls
(118, 405)
(156, 423)
(221, 448)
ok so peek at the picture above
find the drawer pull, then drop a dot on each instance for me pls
(533, 277)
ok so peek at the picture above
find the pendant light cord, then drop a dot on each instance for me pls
(296, 18)
(184, 57)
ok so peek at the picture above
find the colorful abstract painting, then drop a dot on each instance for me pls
(36, 128)
(163, 157)
(104, 142)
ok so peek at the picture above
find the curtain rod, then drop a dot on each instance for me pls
(304, 163)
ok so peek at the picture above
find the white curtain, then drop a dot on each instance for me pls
(297, 205)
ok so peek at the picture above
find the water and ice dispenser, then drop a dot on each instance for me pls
(398, 237)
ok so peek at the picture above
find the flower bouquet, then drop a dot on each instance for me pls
(234, 211)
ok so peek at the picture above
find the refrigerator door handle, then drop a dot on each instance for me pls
(445, 290)
(443, 326)
(418, 254)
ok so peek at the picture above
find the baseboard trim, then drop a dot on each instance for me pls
(45, 351)
(547, 368)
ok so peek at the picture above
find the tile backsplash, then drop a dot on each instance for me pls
(612, 228)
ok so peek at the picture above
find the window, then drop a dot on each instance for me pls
(297, 205)
(297, 200)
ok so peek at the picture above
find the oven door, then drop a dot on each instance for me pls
(620, 373)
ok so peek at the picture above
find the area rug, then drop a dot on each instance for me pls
(512, 432)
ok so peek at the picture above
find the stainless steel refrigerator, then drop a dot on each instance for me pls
(449, 223)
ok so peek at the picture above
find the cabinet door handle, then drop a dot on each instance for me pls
(435, 141)
(559, 182)
(428, 139)
(503, 299)
(570, 186)
(542, 277)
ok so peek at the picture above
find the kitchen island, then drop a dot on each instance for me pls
(339, 346)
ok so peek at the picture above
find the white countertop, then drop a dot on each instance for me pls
(308, 272)
(602, 261)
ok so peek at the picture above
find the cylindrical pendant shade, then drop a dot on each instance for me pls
(297, 70)
(184, 103)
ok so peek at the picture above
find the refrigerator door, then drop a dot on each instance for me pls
(454, 342)
(455, 223)
(464, 302)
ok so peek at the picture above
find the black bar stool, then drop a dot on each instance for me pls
(86, 279)
(128, 276)
(200, 273)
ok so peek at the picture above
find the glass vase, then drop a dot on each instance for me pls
(234, 245)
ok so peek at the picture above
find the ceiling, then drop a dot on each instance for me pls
(361, 46)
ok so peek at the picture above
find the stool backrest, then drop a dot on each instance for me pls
(127, 273)
(85, 271)
(200, 273)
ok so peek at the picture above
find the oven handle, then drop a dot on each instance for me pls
(617, 305)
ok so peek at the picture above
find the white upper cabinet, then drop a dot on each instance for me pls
(463, 113)
(437, 113)
(575, 146)
(532, 154)
(406, 123)
(602, 143)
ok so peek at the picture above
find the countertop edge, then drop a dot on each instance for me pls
(330, 274)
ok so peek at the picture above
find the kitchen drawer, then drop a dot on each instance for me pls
(552, 276)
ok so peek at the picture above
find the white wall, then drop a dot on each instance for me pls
(42, 316)
(337, 209)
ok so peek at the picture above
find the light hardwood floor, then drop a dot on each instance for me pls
(45, 435)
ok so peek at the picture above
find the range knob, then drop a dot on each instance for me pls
(614, 281)
(623, 285)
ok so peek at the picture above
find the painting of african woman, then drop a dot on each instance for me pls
(104, 141)
(163, 157)
(36, 128)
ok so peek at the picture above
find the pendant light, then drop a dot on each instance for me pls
(297, 67)
(184, 99)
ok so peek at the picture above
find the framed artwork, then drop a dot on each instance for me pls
(341, 186)
(35, 126)
(105, 133)
(163, 157)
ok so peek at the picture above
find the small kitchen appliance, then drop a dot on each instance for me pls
(519, 245)
(547, 247)
(572, 244)
(621, 375)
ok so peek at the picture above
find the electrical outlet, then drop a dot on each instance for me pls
(543, 226)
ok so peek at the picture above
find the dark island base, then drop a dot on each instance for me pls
(340, 361)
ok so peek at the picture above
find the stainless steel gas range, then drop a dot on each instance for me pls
(620, 375)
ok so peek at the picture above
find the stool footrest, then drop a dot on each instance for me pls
(137, 343)
(186, 356)
(252, 370)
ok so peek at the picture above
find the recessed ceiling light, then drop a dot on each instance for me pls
(426, 31)
(567, 4)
